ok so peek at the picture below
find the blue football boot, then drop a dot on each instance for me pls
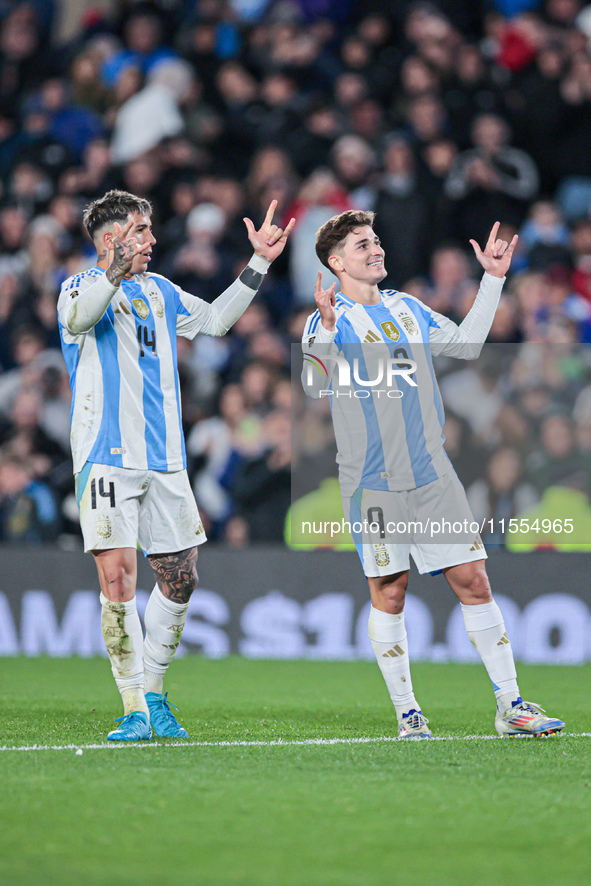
(133, 727)
(164, 722)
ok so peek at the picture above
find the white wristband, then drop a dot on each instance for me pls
(259, 264)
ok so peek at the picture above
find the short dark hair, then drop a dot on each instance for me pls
(333, 232)
(115, 206)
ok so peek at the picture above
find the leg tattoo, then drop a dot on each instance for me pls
(166, 612)
(176, 574)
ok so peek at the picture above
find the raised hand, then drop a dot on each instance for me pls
(125, 249)
(325, 299)
(497, 255)
(270, 240)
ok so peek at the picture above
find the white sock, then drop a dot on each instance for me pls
(486, 630)
(122, 633)
(164, 620)
(388, 639)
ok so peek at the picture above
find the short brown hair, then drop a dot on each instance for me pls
(115, 206)
(333, 232)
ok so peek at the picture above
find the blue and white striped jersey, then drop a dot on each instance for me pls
(390, 434)
(126, 405)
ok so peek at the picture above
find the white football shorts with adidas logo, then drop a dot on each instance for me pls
(432, 523)
(121, 506)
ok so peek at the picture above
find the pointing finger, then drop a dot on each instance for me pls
(493, 235)
(270, 213)
(318, 285)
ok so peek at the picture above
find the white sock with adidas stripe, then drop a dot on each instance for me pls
(164, 620)
(122, 632)
(486, 629)
(388, 638)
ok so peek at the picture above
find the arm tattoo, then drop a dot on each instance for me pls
(176, 574)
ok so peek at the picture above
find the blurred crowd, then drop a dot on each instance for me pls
(441, 116)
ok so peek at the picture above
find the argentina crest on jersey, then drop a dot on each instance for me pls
(157, 302)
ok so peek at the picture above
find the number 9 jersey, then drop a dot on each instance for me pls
(126, 405)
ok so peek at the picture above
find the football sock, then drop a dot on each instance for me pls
(388, 638)
(164, 620)
(486, 630)
(122, 633)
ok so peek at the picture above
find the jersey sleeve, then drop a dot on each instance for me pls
(465, 341)
(194, 315)
(82, 302)
(317, 344)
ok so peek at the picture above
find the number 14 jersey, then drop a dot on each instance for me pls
(126, 404)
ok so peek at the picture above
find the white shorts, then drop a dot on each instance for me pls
(121, 506)
(433, 523)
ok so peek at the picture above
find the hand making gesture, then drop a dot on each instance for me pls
(497, 255)
(270, 240)
(325, 300)
(125, 249)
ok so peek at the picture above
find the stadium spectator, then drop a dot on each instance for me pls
(27, 344)
(492, 179)
(581, 245)
(557, 461)
(262, 485)
(217, 446)
(320, 196)
(451, 281)
(28, 514)
(153, 113)
(402, 213)
(501, 495)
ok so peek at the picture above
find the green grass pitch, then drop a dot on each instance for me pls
(461, 811)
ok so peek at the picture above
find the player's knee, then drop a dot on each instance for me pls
(391, 595)
(176, 574)
(475, 583)
(119, 583)
(117, 578)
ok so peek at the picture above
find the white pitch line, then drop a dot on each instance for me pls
(306, 742)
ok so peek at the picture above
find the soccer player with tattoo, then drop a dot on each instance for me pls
(393, 469)
(118, 326)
